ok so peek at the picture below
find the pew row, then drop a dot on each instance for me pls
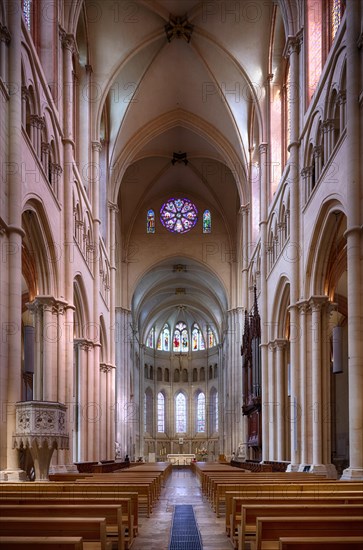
(92, 530)
(111, 512)
(41, 543)
(269, 530)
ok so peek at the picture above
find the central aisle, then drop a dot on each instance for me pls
(182, 487)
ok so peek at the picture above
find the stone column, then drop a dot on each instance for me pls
(111, 410)
(265, 397)
(303, 310)
(11, 379)
(69, 47)
(5, 39)
(354, 236)
(317, 151)
(316, 304)
(123, 359)
(272, 401)
(95, 179)
(245, 210)
(280, 398)
(292, 50)
(342, 100)
(103, 367)
(113, 210)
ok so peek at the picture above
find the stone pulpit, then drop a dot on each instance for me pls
(42, 427)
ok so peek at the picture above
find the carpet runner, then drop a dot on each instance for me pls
(184, 531)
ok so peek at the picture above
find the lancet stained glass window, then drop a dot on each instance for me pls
(164, 339)
(207, 221)
(197, 338)
(150, 338)
(181, 340)
(181, 413)
(178, 215)
(337, 9)
(150, 221)
(201, 413)
(161, 412)
(27, 11)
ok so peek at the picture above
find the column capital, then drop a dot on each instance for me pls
(68, 41)
(244, 209)
(317, 302)
(263, 148)
(106, 367)
(342, 97)
(5, 35)
(281, 343)
(56, 168)
(96, 146)
(307, 171)
(317, 151)
(47, 303)
(272, 345)
(84, 344)
(303, 306)
(293, 44)
(113, 206)
(37, 121)
(327, 125)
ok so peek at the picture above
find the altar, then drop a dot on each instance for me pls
(180, 459)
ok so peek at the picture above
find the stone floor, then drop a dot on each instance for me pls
(182, 487)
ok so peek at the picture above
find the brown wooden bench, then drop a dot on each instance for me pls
(250, 513)
(270, 529)
(247, 489)
(129, 506)
(234, 503)
(92, 530)
(111, 512)
(83, 490)
(42, 543)
(320, 543)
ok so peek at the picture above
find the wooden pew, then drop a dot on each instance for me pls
(41, 543)
(111, 512)
(90, 529)
(337, 487)
(270, 530)
(321, 543)
(250, 513)
(91, 490)
(234, 503)
(129, 506)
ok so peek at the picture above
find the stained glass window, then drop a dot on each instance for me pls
(150, 221)
(181, 413)
(150, 338)
(201, 413)
(161, 412)
(27, 12)
(336, 16)
(164, 339)
(181, 340)
(315, 36)
(207, 221)
(178, 215)
(211, 338)
(197, 338)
